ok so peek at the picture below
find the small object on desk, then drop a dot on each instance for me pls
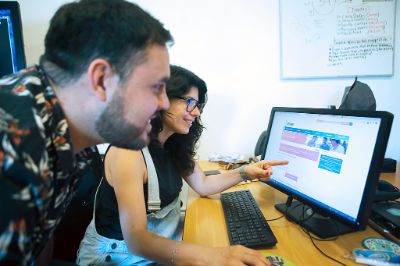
(381, 244)
(385, 191)
(255, 159)
(384, 185)
(377, 251)
(212, 172)
(382, 229)
(231, 158)
(229, 162)
(277, 260)
(385, 219)
(234, 165)
(389, 165)
(373, 257)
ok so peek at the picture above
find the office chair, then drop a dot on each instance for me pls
(78, 215)
(261, 143)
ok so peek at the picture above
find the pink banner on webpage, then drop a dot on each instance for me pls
(294, 137)
(303, 153)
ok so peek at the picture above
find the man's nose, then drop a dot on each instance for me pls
(163, 101)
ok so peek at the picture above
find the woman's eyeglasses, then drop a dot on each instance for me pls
(192, 103)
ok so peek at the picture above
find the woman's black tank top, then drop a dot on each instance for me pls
(170, 184)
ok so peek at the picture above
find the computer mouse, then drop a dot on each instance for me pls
(386, 186)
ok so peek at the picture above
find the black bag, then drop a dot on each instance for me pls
(358, 96)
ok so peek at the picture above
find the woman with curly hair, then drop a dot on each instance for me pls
(137, 206)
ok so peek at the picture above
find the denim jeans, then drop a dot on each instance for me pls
(96, 249)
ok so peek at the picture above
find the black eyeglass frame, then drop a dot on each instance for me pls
(188, 101)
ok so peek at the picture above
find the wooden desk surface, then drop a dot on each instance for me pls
(205, 224)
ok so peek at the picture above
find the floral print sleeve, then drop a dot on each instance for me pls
(38, 169)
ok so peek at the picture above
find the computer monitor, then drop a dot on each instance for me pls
(12, 56)
(334, 161)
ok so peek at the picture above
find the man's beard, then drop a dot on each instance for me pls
(114, 130)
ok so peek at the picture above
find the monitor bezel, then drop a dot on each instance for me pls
(14, 8)
(373, 173)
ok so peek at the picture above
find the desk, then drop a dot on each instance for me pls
(205, 224)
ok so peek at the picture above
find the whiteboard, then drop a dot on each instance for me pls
(328, 38)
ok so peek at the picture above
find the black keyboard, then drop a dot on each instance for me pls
(245, 222)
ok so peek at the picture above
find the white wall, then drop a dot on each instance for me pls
(234, 46)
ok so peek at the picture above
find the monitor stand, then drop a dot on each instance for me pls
(321, 226)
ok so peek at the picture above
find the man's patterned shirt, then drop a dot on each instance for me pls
(38, 168)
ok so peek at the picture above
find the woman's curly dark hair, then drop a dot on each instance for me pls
(181, 147)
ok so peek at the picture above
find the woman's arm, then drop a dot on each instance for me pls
(212, 184)
(126, 172)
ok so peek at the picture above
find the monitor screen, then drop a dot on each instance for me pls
(334, 158)
(12, 56)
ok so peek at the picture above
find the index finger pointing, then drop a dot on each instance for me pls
(276, 162)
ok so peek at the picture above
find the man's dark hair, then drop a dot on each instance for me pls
(336, 141)
(115, 30)
(181, 147)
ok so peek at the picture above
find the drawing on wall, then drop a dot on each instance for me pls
(328, 38)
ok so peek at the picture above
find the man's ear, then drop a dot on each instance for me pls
(99, 71)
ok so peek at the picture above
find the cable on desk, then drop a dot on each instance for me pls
(322, 252)
(288, 203)
(314, 238)
(274, 219)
